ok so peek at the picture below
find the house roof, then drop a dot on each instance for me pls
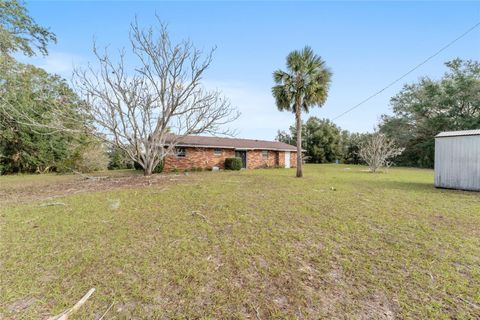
(458, 133)
(233, 143)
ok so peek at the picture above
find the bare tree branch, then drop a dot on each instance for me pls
(377, 151)
(147, 113)
(146, 110)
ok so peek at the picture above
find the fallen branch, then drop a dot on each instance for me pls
(52, 204)
(84, 176)
(196, 213)
(103, 315)
(476, 306)
(257, 313)
(65, 314)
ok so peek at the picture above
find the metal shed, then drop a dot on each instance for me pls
(457, 160)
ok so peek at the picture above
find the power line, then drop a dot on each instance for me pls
(410, 71)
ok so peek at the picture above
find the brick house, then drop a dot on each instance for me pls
(208, 152)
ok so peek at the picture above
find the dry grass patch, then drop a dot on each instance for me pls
(248, 245)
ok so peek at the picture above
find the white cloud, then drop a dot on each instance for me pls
(260, 118)
(60, 63)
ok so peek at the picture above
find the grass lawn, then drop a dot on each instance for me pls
(340, 243)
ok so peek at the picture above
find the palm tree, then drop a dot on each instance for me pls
(303, 85)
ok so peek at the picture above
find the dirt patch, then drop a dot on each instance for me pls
(79, 184)
(21, 304)
(378, 306)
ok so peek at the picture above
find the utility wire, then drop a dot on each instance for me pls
(410, 71)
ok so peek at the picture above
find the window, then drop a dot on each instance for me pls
(217, 151)
(180, 152)
(265, 154)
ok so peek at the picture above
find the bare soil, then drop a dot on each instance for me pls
(74, 184)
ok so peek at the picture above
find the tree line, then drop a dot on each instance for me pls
(420, 111)
(116, 116)
(325, 142)
(423, 109)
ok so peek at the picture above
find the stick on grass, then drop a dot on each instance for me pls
(196, 213)
(65, 314)
(103, 315)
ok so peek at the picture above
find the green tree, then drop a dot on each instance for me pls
(290, 136)
(351, 143)
(284, 136)
(32, 92)
(29, 96)
(423, 109)
(303, 85)
(323, 141)
(20, 32)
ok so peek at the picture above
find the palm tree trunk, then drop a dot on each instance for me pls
(298, 118)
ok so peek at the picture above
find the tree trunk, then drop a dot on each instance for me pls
(147, 172)
(147, 169)
(298, 118)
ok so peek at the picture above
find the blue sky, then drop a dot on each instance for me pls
(366, 44)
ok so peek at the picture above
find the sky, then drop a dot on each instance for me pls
(366, 45)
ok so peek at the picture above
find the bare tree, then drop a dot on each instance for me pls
(147, 111)
(378, 151)
(144, 111)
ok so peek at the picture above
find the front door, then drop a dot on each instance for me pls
(243, 156)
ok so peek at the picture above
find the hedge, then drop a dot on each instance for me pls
(233, 163)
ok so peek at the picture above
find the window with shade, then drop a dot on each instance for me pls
(217, 151)
(180, 152)
(265, 154)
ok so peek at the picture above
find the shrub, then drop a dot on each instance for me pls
(158, 168)
(119, 159)
(137, 166)
(85, 158)
(233, 163)
(93, 158)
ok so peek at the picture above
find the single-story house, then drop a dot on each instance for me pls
(457, 160)
(209, 152)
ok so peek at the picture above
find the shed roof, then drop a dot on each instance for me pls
(444, 134)
(233, 143)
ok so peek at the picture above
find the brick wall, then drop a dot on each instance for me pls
(255, 159)
(293, 159)
(281, 159)
(198, 157)
(206, 158)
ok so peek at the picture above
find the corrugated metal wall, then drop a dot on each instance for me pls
(457, 162)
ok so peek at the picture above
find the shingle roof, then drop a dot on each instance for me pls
(233, 143)
(458, 133)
